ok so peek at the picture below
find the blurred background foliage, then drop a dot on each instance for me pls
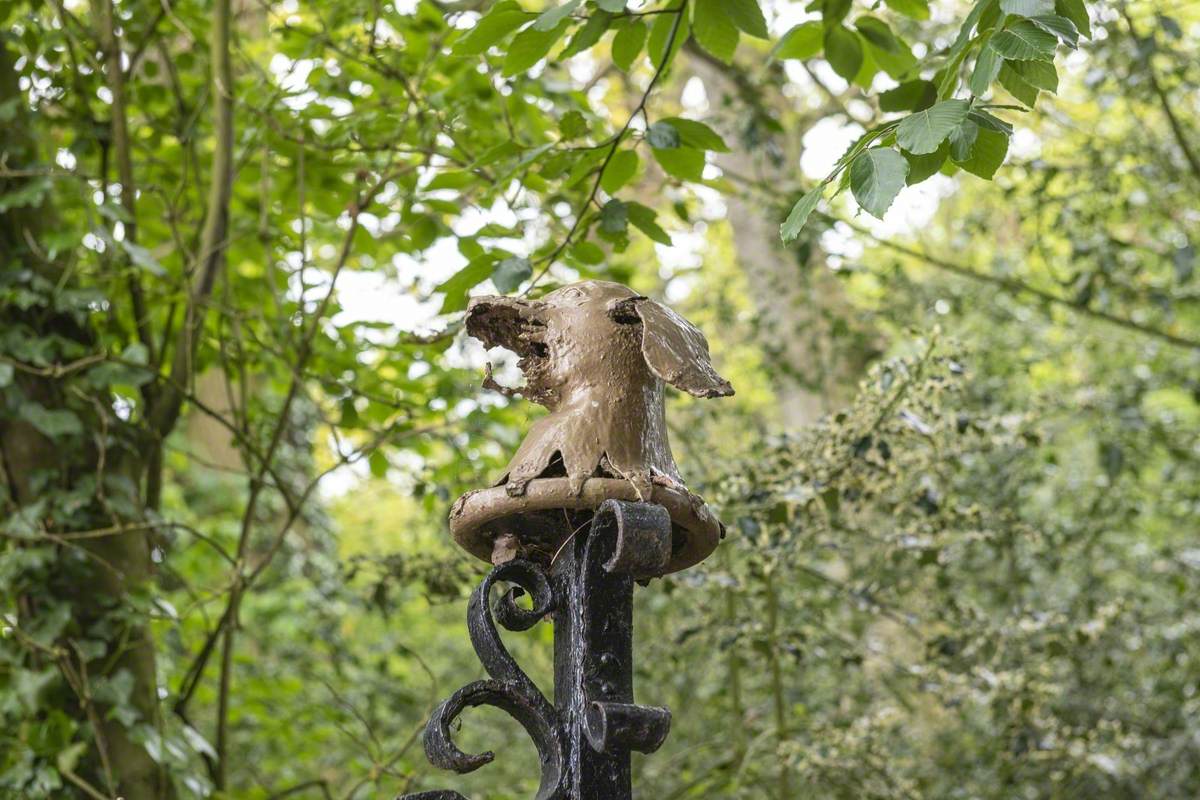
(961, 473)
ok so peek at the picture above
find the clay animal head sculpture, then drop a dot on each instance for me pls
(596, 354)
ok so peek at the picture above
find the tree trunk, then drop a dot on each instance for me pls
(95, 577)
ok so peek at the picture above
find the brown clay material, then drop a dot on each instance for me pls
(596, 354)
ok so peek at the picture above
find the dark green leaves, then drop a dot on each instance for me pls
(844, 51)
(876, 177)
(663, 135)
(1025, 41)
(511, 273)
(909, 96)
(987, 153)
(923, 131)
(644, 219)
(614, 217)
(987, 67)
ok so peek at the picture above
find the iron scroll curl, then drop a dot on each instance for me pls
(508, 688)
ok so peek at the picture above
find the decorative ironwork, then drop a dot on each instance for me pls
(584, 739)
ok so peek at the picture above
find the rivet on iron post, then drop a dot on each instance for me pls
(591, 503)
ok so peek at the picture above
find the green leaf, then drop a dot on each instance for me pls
(587, 252)
(1025, 41)
(457, 285)
(1041, 74)
(378, 462)
(572, 124)
(660, 35)
(614, 217)
(791, 227)
(915, 9)
(1027, 8)
(588, 34)
(877, 32)
(843, 51)
(511, 273)
(628, 43)
(922, 132)
(643, 218)
(685, 163)
(620, 171)
(987, 67)
(550, 18)
(663, 135)
(802, 41)
(909, 96)
(530, 46)
(1017, 86)
(51, 422)
(962, 140)
(141, 257)
(694, 133)
(1061, 27)
(921, 167)
(714, 30)
(504, 18)
(615, 6)
(1076, 11)
(747, 16)
(876, 177)
(987, 155)
(6, 375)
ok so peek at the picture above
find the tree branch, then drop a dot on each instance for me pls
(213, 239)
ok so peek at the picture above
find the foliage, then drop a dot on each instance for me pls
(235, 402)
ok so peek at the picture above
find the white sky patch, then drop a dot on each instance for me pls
(824, 144)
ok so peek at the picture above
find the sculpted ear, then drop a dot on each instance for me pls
(675, 349)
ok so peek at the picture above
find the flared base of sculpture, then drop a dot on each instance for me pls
(534, 524)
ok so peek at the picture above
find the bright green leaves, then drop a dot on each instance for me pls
(1025, 41)
(718, 24)
(714, 30)
(620, 170)
(791, 227)
(693, 133)
(844, 51)
(876, 177)
(504, 18)
(747, 16)
(802, 41)
(922, 132)
(628, 43)
(455, 288)
(684, 163)
(548, 20)
(531, 46)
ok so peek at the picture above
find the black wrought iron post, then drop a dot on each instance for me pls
(586, 737)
